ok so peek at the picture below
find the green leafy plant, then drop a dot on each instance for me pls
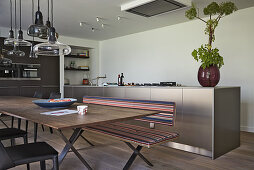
(206, 54)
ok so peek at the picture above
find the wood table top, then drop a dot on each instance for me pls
(24, 108)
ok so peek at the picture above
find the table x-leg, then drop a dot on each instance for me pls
(69, 145)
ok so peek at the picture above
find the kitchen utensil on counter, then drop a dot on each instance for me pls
(85, 82)
(86, 79)
(167, 83)
(120, 80)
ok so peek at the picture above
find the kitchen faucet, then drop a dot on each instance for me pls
(99, 77)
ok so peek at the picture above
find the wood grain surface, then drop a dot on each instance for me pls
(24, 108)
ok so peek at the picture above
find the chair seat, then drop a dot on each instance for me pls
(7, 133)
(132, 133)
(32, 152)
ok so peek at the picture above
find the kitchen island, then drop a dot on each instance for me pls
(207, 118)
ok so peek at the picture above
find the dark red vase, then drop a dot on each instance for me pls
(209, 77)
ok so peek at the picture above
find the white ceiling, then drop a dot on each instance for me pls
(69, 13)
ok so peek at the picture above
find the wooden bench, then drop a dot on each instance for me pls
(129, 133)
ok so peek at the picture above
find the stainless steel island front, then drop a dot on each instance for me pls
(207, 119)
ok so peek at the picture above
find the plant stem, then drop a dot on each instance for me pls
(201, 19)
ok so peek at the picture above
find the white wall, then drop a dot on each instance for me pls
(164, 54)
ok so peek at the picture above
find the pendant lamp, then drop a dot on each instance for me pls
(48, 25)
(52, 47)
(32, 54)
(20, 40)
(3, 60)
(38, 29)
(10, 40)
(16, 51)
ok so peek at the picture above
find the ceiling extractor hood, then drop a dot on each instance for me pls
(148, 8)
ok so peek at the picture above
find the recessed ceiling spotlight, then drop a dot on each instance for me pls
(83, 24)
(97, 19)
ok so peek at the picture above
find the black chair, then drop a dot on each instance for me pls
(55, 95)
(27, 153)
(12, 133)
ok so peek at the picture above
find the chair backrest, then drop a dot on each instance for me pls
(5, 160)
(38, 94)
(166, 110)
(55, 95)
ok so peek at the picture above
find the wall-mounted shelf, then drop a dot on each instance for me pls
(77, 56)
(76, 69)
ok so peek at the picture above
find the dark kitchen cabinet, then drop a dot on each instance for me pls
(48, 73)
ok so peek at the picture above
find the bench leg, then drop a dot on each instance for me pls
(136, 151)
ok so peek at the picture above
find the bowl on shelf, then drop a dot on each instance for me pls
(54, 103)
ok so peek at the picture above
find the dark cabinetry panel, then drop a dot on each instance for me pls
(46, 90)
(28, 91)
(48, 72)
(9, 91)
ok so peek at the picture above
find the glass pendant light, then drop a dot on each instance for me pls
(10, 40)
(48, 25)
(3, 60)
(32, 54)
(20, 40)
(52, 47)
(38, 29)
(16, 51)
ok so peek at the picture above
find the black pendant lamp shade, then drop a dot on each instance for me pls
(38, 29)
(10, 40)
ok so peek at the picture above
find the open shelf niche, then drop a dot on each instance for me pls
(77, 65)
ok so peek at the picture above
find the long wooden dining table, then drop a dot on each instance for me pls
(24, 108)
